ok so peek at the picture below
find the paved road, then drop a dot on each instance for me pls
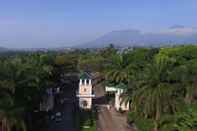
(67, 109)
(67, 123)
(104, 122)
(108, 120)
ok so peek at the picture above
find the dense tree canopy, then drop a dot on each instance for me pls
(156, 82)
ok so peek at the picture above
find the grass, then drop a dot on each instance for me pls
(90, 128)
(86, 120)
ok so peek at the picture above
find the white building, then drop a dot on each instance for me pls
(119, 104)
(85, 92)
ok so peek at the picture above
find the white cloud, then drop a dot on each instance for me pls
(180, 30)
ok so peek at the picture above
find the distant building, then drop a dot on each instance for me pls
(85, 92)
(119, 104)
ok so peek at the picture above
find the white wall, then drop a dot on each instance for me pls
(85, 93)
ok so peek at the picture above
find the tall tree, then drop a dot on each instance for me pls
(117, 70)
(155, 97)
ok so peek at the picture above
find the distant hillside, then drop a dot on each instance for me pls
(2, 49)
(172, 36)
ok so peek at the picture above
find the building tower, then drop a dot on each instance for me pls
(85, 93)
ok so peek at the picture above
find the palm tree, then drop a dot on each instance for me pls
(117, 70)
(21, 81)
(10, 116)
(188, 77)
(123, 71)
(154, 96)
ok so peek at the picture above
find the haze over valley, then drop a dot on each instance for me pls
(175, 35)
(63, 24)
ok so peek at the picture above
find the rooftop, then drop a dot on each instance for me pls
(85, 75)
(116, 85)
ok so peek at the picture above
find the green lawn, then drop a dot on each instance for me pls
(86, 120)
(91, 128)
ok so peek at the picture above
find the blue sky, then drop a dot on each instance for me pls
(57, 23)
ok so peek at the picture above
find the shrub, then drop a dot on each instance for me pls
(141, 123)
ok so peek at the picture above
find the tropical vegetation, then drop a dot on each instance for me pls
(159, 83)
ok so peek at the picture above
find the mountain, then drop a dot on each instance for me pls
(174, 35)
(2, 49)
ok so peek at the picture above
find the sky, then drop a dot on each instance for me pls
(62, 23)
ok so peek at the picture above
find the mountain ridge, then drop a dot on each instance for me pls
(174, 35)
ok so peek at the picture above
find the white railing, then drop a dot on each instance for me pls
(85, 95)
